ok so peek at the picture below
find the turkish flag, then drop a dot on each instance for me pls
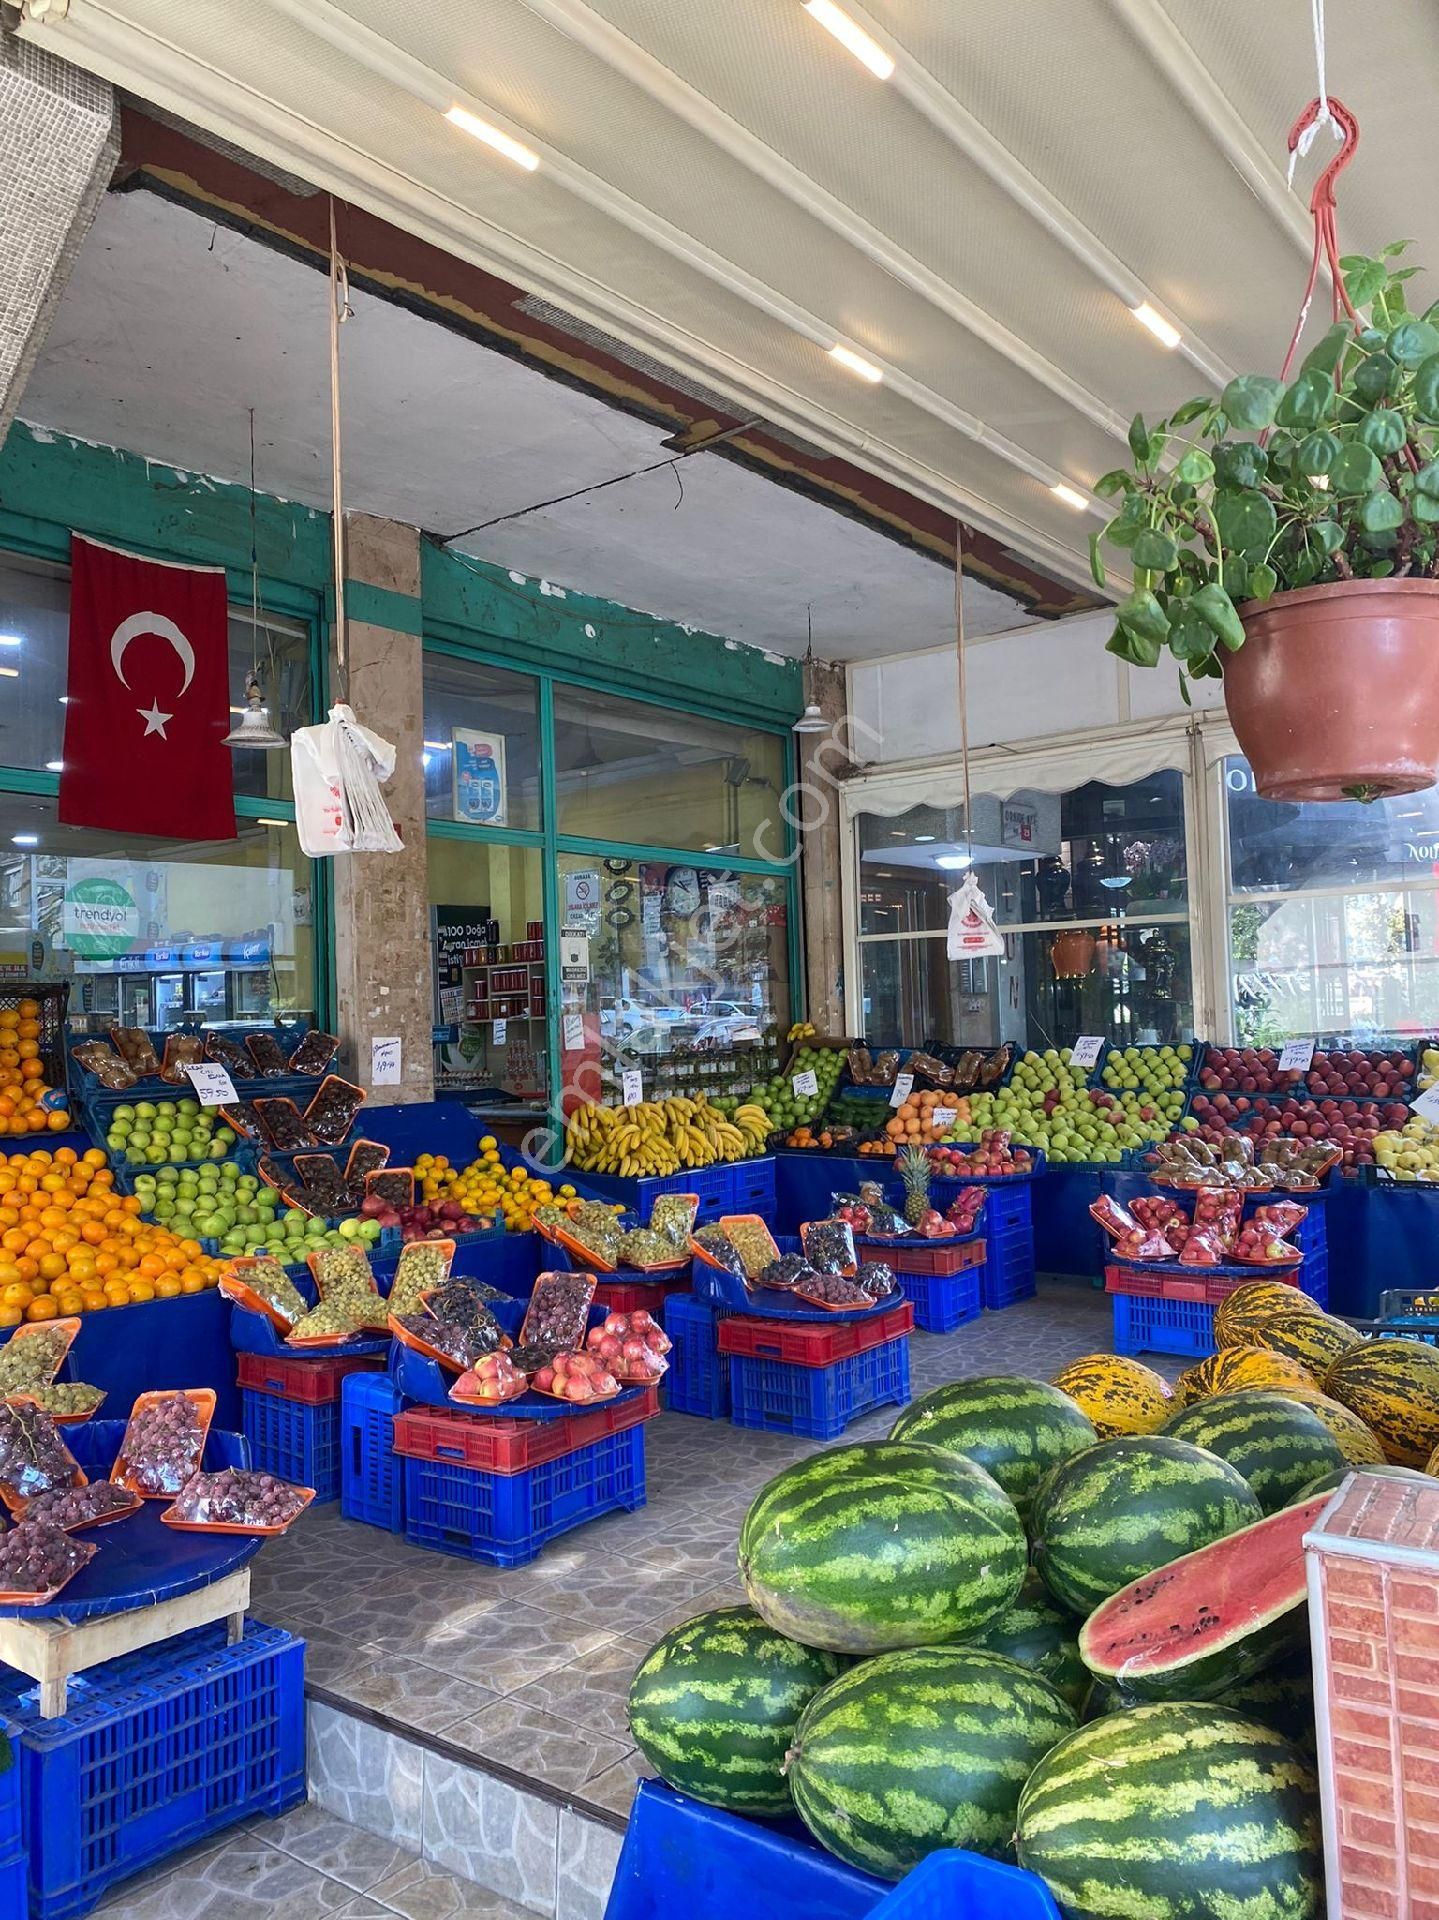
(148, 693)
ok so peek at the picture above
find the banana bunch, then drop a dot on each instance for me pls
(662, 1137)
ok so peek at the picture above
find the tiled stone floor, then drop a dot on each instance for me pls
(525, 1670)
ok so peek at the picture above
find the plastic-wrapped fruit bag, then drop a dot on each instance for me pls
(34, 1354)
(1114, 1218)
(322, 1182)
(460, 1343)
(644, 1249)
(66, 1401)
(1202, 1248)
(267, 1056)
(340, 1270)
(164, 1441)
(314, 1053)
(752, 1240)
(366, 1156)
(137, 1050)
(876, 1280)
(106, 1065)
(332, 1112)
(1258, 1245)
(829, 1246)
(832, 1290)
(1220, 1210)
(673, 1215)
(335, 1321)
(260, 1281)
(1142, 1243)
(284, 1126)
(491, 1382)
(594, 1229)
(558, 1311)
(33, 1457)
(632, 1346)
(424, 1267)
(75, 1508)
(37, 1560)
(784, 1272)
(582, 1379)
(236, 1062)
(181, 1050)
(714, 1247)
(237, 1500)
(1280, 1216)
(394, 1185)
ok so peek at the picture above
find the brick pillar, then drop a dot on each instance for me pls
(59, 141)
(382, 911)
(1374, 1620)
(824, 760)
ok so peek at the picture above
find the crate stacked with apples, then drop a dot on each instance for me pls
(1347, 1094)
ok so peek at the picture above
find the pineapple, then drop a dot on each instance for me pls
(914, 1171)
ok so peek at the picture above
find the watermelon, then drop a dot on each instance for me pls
(1119, 1395)
(1281, 1696)
(1315, 1340)
(1254, 1305)
(1278, 1444)
(1175, 1812)
(882, 1544)
(1235, 1367)
(1359, 1446)
(1039, 1634)
(714, 1707)
(1328, 1483)
(1015, 1429)
(1210, 1619)
(1127, 1506)
(921, 1749)
(1393, 1385)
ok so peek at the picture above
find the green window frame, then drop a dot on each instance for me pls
(459, 644)
(26, 538)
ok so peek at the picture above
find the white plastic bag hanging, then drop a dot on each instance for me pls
(972, 932)
(337, 768)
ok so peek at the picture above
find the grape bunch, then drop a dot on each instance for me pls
(71, 1508)
(36, 1557)
(237, 1497)
(163, 1444)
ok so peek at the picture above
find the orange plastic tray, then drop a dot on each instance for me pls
(577, 1250)
(235, 1289)
(57, 1419)
(169, 1518)
(101, 1520)
(201, 1397)
(88, 1547)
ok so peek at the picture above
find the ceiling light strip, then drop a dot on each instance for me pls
(851, 36)
(590, 30)
(233, 110)
(391, 63)
(961, 128)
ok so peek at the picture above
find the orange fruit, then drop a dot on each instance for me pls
(139, 1290)
(94, 1299)
(42, 1308)
(58, 1122)
(167, 1287)
(29, 1009)
(93, 1157)
(52, 1266)
(192, 1282)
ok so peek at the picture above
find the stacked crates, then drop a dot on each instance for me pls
(290, 1412)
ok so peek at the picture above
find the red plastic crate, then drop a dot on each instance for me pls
(1205, 1289)
(313, 1382)
(934, 1258)
(511, 1446)
(623, 1296)
(801, 1344)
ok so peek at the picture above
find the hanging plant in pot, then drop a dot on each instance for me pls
(1284, 538)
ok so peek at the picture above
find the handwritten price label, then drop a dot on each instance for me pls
(632, 1088)
(385, 1062)
(1296, 1056)
(213, 1086)
(942, 1118)
(805, 1084)
(1086, 1050)
(903, 1087)
(1427, 1105)
(574, 1025)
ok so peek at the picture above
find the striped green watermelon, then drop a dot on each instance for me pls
(714, 1706)
(1281, 1697)
(1104, 1517)
(1175, 1812)
(1016, 1429)
(920, 1749)
(1036, 1632)
(1278, 1444)
(1331, 1482)
(881, 1544)
(1211, 1619)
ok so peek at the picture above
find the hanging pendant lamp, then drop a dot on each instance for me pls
(255, 730)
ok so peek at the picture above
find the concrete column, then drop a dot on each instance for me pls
(382, 914)
(59, 141)
(824, 762)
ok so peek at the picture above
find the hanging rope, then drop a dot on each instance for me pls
(963, 683)
(1326, 221)
(340, 312)
(1324, 117)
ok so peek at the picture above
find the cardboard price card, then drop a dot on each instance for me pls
(1296, 1056)
(1086, 1050)
(903, 1087)
(213, 1086)
(805, 1084)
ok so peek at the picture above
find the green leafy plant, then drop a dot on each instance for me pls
(1332, 476)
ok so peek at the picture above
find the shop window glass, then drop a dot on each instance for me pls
(486, 900)
(688, 970)
(1090, 886)
(34, 646)
(632, 773)
(1333, 915)
(482, 744)
(157, 933)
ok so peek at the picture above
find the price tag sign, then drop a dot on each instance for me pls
(1296, 1056)
(632, 1087)
(942, 1118)
(1426, 1105)
(1086, 1050)
(804, 1084)
(213, 1086)
(502, 1027)
(903, 1087)
(574, 1036)
(385, 1062)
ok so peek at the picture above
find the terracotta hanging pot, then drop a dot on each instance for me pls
(1335, 693)
(1071, 954)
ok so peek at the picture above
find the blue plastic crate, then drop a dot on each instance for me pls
(372, 1487)
(294, 1441)
(942, 1302)
(1311, 1237)
(713, 1185)
(819, 1402)
(698, 1377)
(157, 1749)
(680, 1856)
(13, 1876)
(1008, 1271)
(1142, 1325)
(753, 1187)
(505, 1518)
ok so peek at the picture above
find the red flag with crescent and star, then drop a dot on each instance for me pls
(148, 703)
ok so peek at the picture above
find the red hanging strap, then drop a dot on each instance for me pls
(1326, 226)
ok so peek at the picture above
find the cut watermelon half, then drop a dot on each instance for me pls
(1210, 1619)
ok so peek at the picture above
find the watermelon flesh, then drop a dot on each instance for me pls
(1210, 1619)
